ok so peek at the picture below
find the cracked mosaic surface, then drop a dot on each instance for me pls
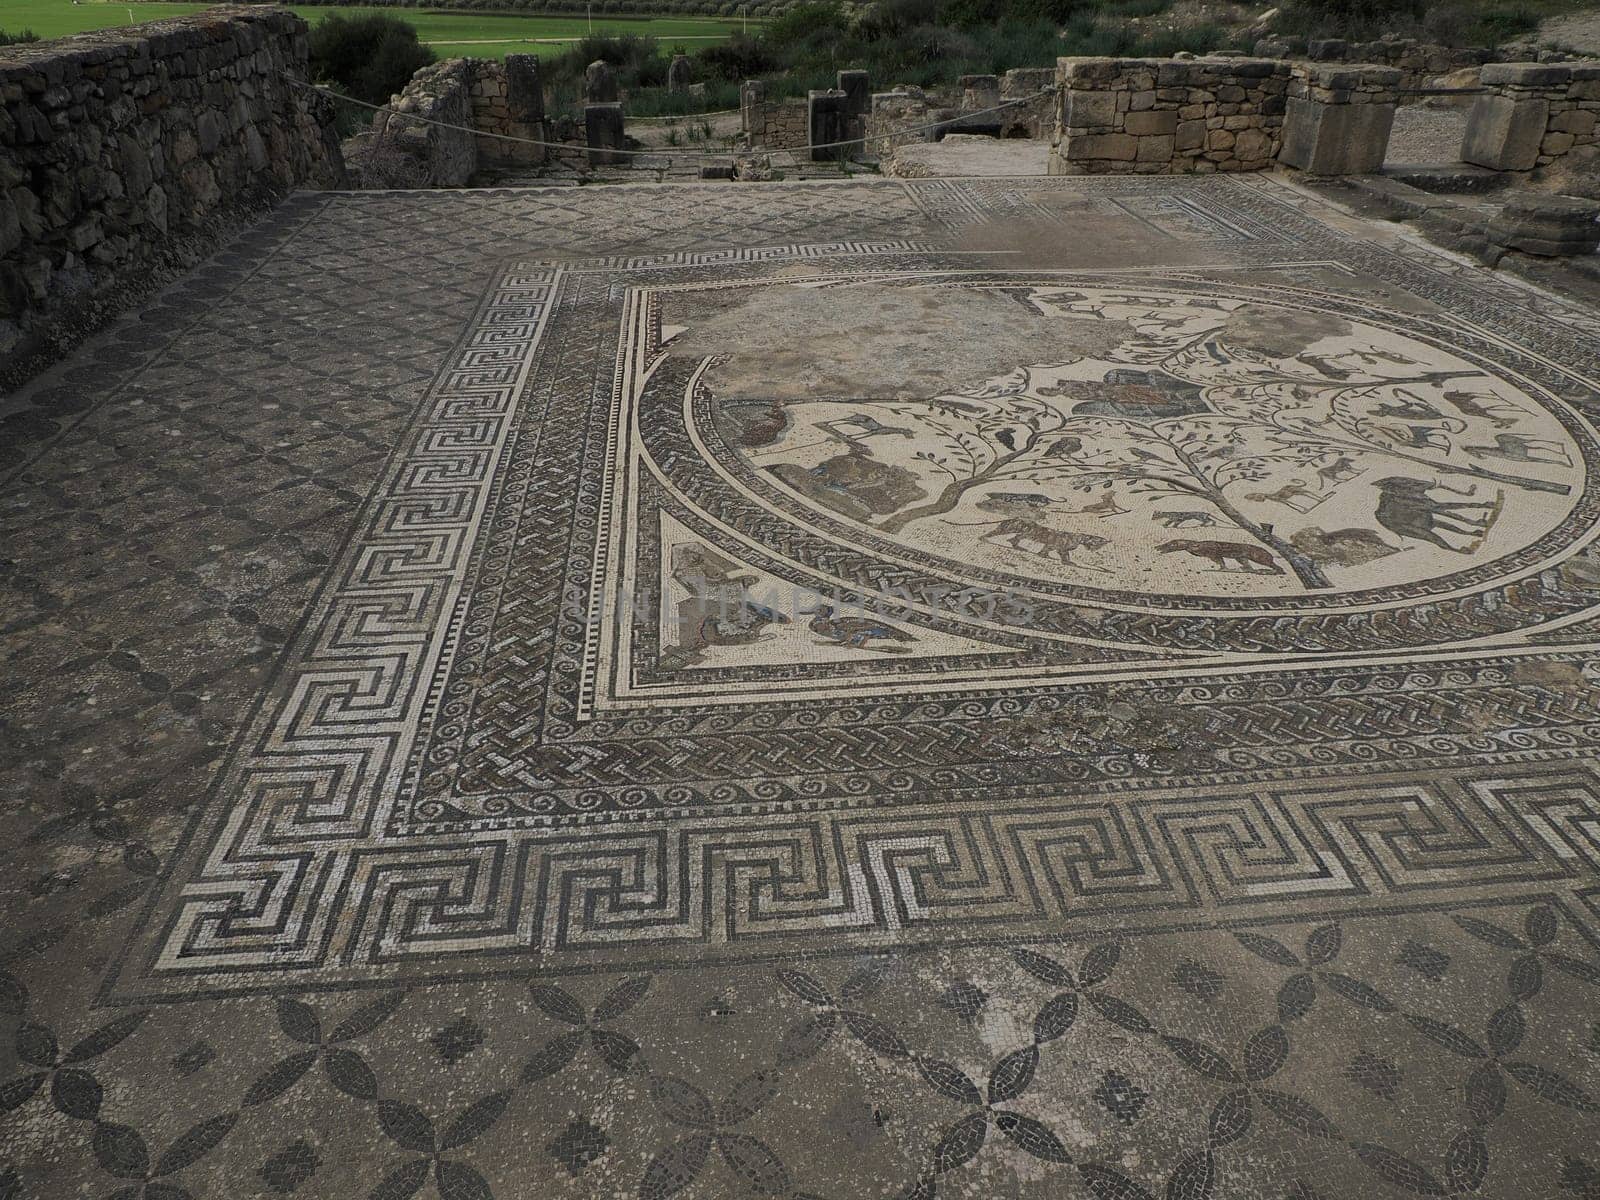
(994, 688)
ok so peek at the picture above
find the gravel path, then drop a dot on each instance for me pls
(1427, 135)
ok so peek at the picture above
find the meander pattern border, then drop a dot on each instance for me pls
(290, 869)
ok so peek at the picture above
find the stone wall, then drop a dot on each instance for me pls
(771, 124)
(125, 154)
(1030, 94)
(496, 99)
(1167, 116)
(441, 157)
(1535, 114)
(508, 99)
(1419, 63)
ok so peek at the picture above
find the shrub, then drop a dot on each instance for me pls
(16, 39)
(1351, 18)
(371, 56)
(741, 57)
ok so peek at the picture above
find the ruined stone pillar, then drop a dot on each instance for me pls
(857, 89)
(524, 89)
(603, 134)
(1339, 118)
(678, 74)
(599, 84)
(752, 121)
(524, 105)
(1508, 129)
(825, 122)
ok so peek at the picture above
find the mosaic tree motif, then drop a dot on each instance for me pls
(1232, 436)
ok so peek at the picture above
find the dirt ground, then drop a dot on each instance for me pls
(1580, 31)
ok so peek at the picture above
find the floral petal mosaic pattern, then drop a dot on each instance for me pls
(1000, 688)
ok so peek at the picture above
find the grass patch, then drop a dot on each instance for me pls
(453, 34)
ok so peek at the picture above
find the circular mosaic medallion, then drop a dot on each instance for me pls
(1245, 447)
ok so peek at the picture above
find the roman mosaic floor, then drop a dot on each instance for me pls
(990, 688)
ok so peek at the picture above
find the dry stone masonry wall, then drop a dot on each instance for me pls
(498, 100)
(1420, 63)
(771, 124)
(1167, 116)
(126, 152)
(1019, 103)
(1536, 113)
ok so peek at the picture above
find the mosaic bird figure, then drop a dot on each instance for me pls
(855, 632)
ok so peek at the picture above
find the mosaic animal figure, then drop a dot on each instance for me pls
(1416, 437)
(1061, 543)
(855, 632)
(1220, 554)
(719, 611)
(1410, 408)
(1469, 404)
(1517, 447)
(1107, 506)
(1338, 471)
(1342, 547)
(864, 425)
(1005, 502)
(1295, 489)
(1183, 520)
(1406, 510)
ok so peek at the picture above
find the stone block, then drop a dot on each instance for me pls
(599, 84)
(524, 89)
(1190, 135)
(1556, 144)
(857, 89)
(603, 134)
(1504, 134)
(678, 74)
(1336, 139)
(1090, 110)
(1528, 75)
(1154, 149)
(1252, 145)
(1575, 121)
(826, 125)
(1156, 122)
(1547, 225)
(1117, 147)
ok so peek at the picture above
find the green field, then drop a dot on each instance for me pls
(452, 34)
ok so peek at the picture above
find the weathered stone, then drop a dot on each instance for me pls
(1155, 149)
(1117, 147)
(1190, 135)
(857, 89)
(1336, 139)
(1528, 75)
(1576, 121)
(1556, 144)
(1547, 225)
(1090, 110)
(603, 134)
(599, 84)
(1504, 134)
(1252, 144)
(678, 74)
(1158, 122)
(825, 124)
(524, 89)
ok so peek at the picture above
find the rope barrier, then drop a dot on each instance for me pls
(667, 152)
(721, 112)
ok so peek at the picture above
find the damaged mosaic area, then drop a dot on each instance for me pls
(846, 693)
